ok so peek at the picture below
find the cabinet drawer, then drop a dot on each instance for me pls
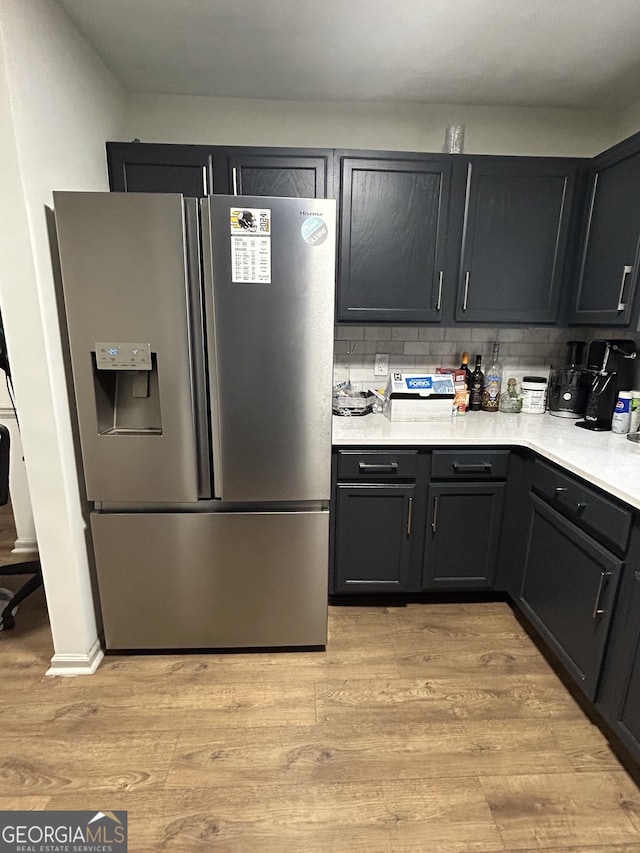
(355, 465)
(606, 520)
(470, 464)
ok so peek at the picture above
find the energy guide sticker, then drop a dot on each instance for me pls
(250, 245)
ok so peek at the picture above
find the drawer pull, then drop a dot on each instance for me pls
(409, 516)
(580, 505)
(472, 467)
(440, 280)
(596, 607)
(434, 523)
(378, 467)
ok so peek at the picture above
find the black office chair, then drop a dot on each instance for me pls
(30, 567)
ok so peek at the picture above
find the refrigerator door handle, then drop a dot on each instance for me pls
(214, 393)
(195, 319)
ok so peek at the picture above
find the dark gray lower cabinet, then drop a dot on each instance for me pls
(397, 532)
(629, 711)
(463, 531)
(373, 548)
(622, 701)
(568, 591)
(619, 692)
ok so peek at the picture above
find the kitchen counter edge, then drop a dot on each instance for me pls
(605, 459)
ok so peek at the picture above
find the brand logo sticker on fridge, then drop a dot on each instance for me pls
(250, 245)
(314, 230)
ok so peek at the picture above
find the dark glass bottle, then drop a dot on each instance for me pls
(477, 385)
(464, 365)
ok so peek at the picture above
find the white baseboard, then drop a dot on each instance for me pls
(77, 664)
(28, 547)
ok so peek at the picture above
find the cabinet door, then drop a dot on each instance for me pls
(516, 226)
(568, 591)
(393, 230)
(193, 170)
(286, 173)
(619, 690)
(630, 711)
(608, 271)
(463, 532)
(374, 538)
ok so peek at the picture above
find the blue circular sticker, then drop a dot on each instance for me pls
(314, 230)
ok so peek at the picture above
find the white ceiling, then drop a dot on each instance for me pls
(558, 53)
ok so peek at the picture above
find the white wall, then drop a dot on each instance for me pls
(628, 122)
(396, 127)
(58, 105)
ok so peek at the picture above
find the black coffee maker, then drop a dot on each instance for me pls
(569, 385)
(611, 363)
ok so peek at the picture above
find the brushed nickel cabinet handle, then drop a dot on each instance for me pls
(472, 467)
(434, 523)
(409, 516)
(626, 270)
(466, 290)
(440, 280)
(379, 468)
(596, 607)
(234, 180)
(205, 180)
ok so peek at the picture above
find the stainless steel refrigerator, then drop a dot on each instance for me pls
(201, 337)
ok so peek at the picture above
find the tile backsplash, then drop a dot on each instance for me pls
(523, 351)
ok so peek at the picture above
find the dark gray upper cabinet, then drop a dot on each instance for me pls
(290, 173)
(193, 170)
(393, 237)
(515, 233)
(199, 170)
(608, 267)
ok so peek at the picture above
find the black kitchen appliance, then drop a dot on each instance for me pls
(569, 385)
(611, 363)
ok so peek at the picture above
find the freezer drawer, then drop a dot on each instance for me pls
(212, 580)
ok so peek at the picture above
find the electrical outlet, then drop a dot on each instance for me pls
(381, 366)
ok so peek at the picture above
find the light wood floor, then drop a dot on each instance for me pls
(423, 729)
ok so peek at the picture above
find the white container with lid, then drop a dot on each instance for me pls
(621, 421)
(533, 391)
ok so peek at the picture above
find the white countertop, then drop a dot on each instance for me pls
(605, 459)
